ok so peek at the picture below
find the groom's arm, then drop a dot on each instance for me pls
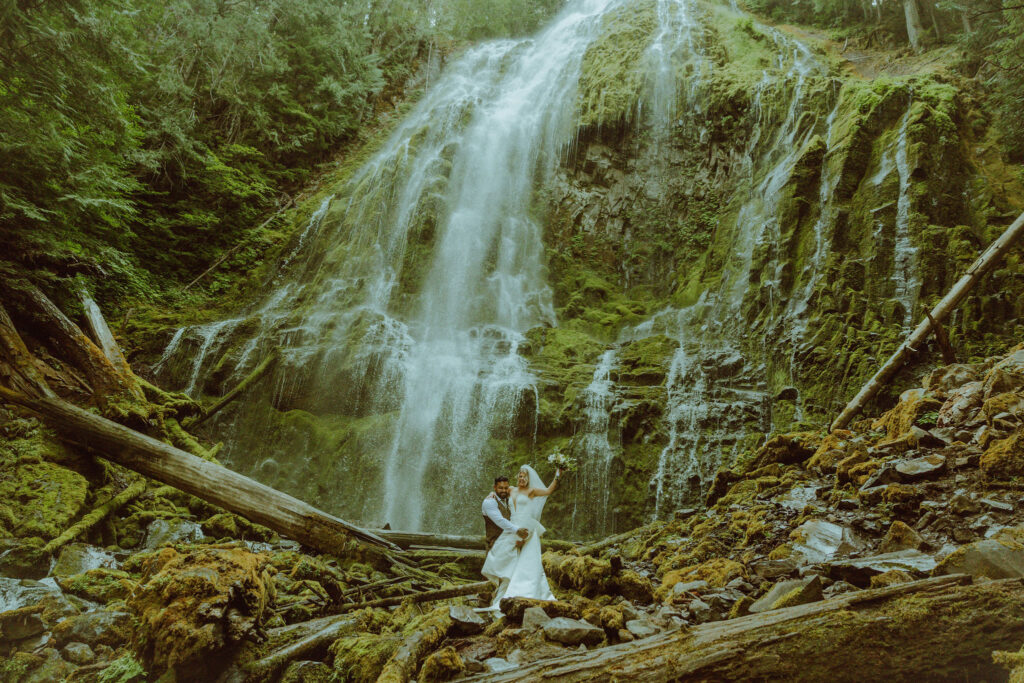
(493, 514)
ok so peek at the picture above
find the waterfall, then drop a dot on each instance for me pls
(404, 308)
(591, 515)
(904, 254)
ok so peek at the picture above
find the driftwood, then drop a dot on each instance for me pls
(403, 664)
(66, 340)
(251, 379)
(323, 632)
(409, 539)
(984, 263)
(217, 485)
(426, 596)
(97, 515)
(934, 629)
(18, 368)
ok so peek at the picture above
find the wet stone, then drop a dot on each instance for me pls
(918, 469)
(534, 618)
(789, 593)
(466, 621)
(78, 558)
(641, 628)
(572, 631)
(163, 532)
(17, 593)
(78, 653)
(996, 505)
(859, 571)
(689, 586)
(1000, 557)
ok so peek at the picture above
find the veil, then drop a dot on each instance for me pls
(537, 502)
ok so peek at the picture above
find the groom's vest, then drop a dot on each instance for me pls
(492, 529)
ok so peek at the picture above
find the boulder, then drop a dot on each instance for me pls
(111, 628)
(514, 608)
(465, 621)
(913, 404)
(946, 379)
(1000, 557)
(785, 449)
(534, 618)
(788, 594)
(78, 653)
(1006, 375)
(78, 558)
(163, 532)
(641, 628)
(190, 605)
(689, 586)
(919, 469)
(443, 665)
(21, 623)
(572, 631)
(901, 537)
(817, 540)
(1004, 459)
(961, 405)
(860, 570)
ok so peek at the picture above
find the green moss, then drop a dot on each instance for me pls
(612, 74)
(37, 497)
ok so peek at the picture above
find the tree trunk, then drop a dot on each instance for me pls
(426, 596)
(214, 484)
(932, 629)
(966, 20)
(988, 259)
(67, 341)
(403, 664)
(251, 379)
(409, 539)
(935, 20)
(18, 369)
(914, 27)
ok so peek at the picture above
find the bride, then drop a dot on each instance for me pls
(525, 571)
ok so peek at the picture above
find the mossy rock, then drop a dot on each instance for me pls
(99, 585)
(1004, 459)
(40, 498)
(360, 658)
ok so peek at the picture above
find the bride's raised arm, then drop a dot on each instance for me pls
(549, 490)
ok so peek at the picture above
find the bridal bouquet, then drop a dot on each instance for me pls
(562, 461)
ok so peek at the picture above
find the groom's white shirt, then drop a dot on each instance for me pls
(490, 509)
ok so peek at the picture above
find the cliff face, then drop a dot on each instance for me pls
(691, 232)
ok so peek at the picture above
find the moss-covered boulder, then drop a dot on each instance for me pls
(1004, 459)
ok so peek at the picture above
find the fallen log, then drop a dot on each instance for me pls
(934, 629)
(330, 630)
(251, 379)
(96, 516)
(403, 664)
(426, 596)
(408, 539)
(215, 484)
(18, 368)
(984, 263)
(67, 341)
(102, 336)
(598, 546)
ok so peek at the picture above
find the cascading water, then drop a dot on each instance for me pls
(591, 514)
(405, 311)
(904, 254)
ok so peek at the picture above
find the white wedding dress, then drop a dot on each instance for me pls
(520, 575)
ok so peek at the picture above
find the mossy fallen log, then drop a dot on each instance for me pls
(934, 629)
(425, 596)
(191, 474)
(94, 517)
(408, 539)
(426, 637)
(251, 379)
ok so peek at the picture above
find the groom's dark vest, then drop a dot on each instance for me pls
(492, 529)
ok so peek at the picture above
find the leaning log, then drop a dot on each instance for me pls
(984, 263)
(18, 368)
(425, 596)
(67, 341)
(215, 484)
(409, 539)
(933, 629)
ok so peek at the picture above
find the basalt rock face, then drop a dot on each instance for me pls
(712, 234)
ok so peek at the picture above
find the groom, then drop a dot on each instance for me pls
(500, 556)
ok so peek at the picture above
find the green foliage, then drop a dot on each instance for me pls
(145, 140)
